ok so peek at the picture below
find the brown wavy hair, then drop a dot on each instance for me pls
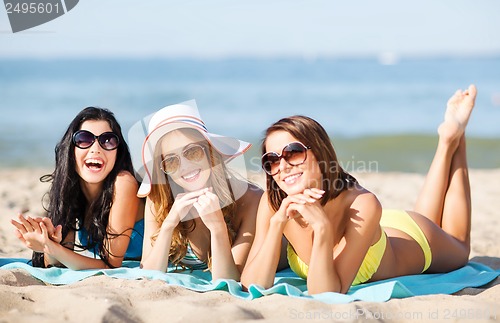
(162, 197)
(309, 132)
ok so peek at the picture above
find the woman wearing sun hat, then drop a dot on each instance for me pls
(198, 215)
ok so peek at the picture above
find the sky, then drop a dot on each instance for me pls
(261, 28)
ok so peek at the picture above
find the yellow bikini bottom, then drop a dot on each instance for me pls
(396, 219)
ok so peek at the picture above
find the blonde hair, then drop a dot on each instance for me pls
(162, 197)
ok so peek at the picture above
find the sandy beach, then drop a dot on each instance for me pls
(100, 298)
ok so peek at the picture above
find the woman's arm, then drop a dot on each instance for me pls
(122, 217)
(55, 233)
(336, 274)
(228, 260)
(41, 237)
(222, 262)
(121, 222)
(264, 254)
(71, 259)
(155, 256)
(322, 275)
(247, 208)
(35, 235)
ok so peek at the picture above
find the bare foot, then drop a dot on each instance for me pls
(457, 113)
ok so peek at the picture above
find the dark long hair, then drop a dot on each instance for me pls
(312, 134)
(67, 205)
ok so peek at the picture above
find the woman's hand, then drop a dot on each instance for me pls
(32, 233)
(283, 214)
(209, 210)
(181, 207)
(55, 232)
(309, 208)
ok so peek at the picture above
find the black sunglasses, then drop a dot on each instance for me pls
(295, 153)
(84, 139)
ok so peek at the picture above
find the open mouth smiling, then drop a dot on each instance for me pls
(94, 164)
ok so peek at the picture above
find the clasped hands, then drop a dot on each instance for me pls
(306, 205)
(205, 203)
(36, 233)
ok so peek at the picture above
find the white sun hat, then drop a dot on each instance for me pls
(179, 116)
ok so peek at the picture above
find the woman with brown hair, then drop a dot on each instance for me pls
(338, 233)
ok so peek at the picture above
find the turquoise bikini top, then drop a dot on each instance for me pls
(134, 250)
(192, 261)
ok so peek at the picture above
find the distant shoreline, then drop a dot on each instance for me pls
(376, 153)
(368, 57)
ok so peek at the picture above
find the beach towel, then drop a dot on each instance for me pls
(286, 282)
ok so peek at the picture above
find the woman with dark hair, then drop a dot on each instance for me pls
(198, 214)
(92, 203)
(337, 231)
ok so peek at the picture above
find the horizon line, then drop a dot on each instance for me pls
(387, 56)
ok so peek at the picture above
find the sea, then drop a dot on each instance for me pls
(381, 115)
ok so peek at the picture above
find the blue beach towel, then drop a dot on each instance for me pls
(286, 282)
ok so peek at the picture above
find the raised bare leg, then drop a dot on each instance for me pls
(431, 201)
(456, 220)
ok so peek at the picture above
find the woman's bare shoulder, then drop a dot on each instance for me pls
(252, 193)
(367, 205)
(248, 203)
(125, 179)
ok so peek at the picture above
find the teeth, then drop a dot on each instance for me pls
(191, 175)
(292, 178)
(94, 164)
(94, 161)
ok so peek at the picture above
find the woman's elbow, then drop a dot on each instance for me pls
(246, 281)
(325, 288)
